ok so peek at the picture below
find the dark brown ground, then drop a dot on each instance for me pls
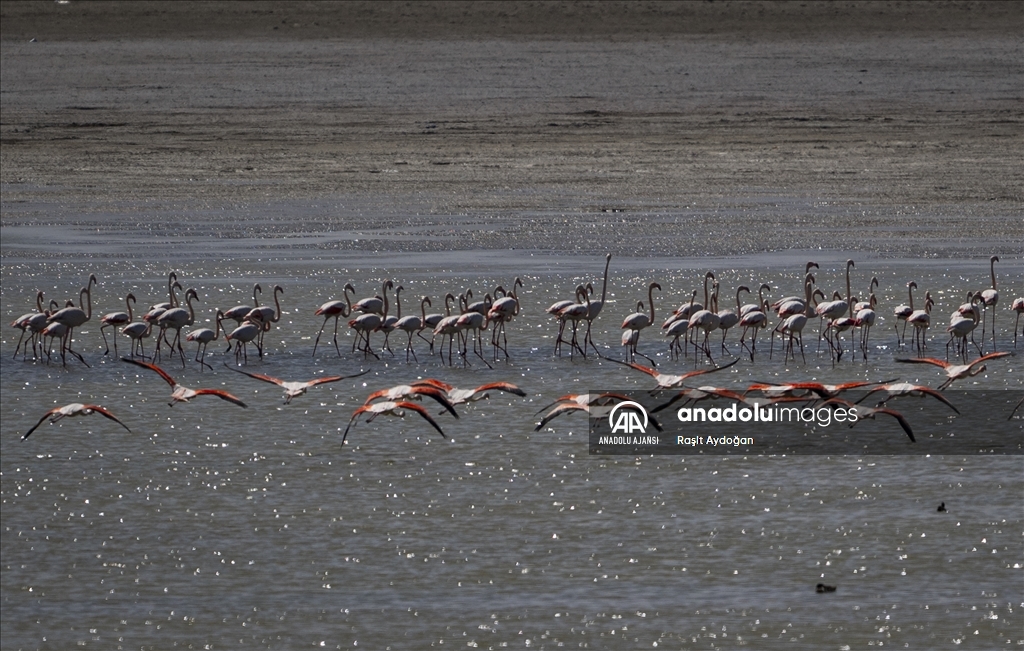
(652, 128)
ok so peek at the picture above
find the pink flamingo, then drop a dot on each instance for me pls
(956, 371)
(396, 409)
(638, 321)
(73, 317)
(296, 389)
(70, 411)
(666, 381)
(902, 313)
(203, 337)
(991, 298)
(114, 320)
(334, 310)
(181, 393)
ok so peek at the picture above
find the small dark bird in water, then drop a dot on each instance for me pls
(821, 587)
(942, 508)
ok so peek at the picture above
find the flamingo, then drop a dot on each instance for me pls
(175, 319)
(502, 311)
(73, 317)
(960, 326)
(921, 319)
(677, 326)
(794, 324)
(461, 396)
(581, 399)
(863, 413)
(761, 301)
(430, 321)
(574, 313)
(374, 304)
(333, 310)
(481, 307)
(23, 323)
(172, 282)
(638, 321)
(835, 309)
(390, 322)
(897, 389)
(1018, 307)
(414, 392)
(70, 411)
(389, 408)
(990, 298)
(243, 335)
(371, 319)
(799, 388)
(296, 389)
(807, 274)
(449, 327)
(594, 308)
(137, 331)
(53, 331)
(865, 320)
(902, 313)
(727, 318)
(181, 393)
(239, 312)
(555, 310)
(115, 319)
(956, 371)
(412, 324)
(265, 316)
(476, 322)
(753, 320)
(203, 336)
(705, 320)
(666, 381)
(154, 312)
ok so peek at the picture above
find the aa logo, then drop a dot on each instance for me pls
(624, 418)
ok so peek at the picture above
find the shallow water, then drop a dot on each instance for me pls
(213, 525)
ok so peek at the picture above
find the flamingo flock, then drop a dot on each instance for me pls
(689, 327)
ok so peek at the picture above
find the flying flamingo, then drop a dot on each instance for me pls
(824, 391)
(582, 399)
(295, 389)
(956, 371)
(413, 392)
(638, 321)
(902, 313)
(333, 310)
(991, 298)
(73, 317)
(69, 411)
(898, 389)
(203, 336)
(863, 413)
(461, 396)
(180, 393)
(594, 308)
(412, 324)
(397, 409)
(115, 319)
(666, 381)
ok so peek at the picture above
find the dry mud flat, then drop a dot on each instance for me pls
(641, 128)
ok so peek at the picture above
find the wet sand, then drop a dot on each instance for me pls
(693, 129)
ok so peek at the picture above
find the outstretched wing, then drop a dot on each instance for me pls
(335, 378)
(41, 420)
(922, 360)
(223, 395)
(901, 420)
(507, 387)
(706, 370)
(558, 411)
(984, 358)
(153, 367)
(422, 412)
(105, 412)
(257, 376)
(439, 395)
(640, 367)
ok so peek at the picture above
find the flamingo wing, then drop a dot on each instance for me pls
(507, 387)
(437, 394)
(106, 413)
(923, 360)
(352, 421)
(153, 367)
(334, 378)
(223, 395)
(422, 412)
(41, 420)
(984, 358)
(558, 411)
(708, 370)
(257, 376)
(901, 420)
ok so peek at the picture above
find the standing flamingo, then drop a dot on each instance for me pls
(239, 312)
(412, 324)
(70, 411)
(370, 320)
(638, 321)
(243, 335)
(390, 322)
(990, 298)
(676, 326)
(172, 301)
(727, 318)
(73, 317)
(921, 319)
(23, 323)
(502, 311)
(203, 336)
(137, 331)
(333, 310)
(706, 319)
(594, 308)
(902, 313)
(114, 320)
(265, 316)
(1018, 307)
(753, 320)
(175, 319)
(181, 393)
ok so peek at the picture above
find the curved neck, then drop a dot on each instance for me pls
(604, 286)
